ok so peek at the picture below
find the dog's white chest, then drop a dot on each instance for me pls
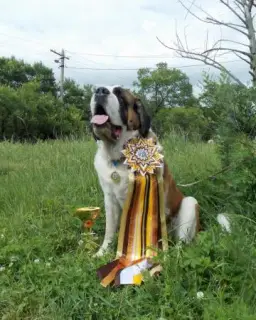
(113, 178)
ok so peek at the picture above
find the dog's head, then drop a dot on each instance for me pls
(115, 110)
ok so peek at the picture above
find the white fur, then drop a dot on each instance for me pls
(112, 107)
(115, 193)
(185, 223)
(224, 222)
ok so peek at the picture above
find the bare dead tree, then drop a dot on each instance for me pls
(246, 51)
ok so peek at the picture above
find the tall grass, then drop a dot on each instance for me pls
(47, 272)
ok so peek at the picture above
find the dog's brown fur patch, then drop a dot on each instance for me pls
(173, 196)
(133, 121)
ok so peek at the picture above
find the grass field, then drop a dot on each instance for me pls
(46, 265)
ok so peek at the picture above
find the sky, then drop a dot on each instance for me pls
(95, 34)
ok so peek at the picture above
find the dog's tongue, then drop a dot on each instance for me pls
(99, 119)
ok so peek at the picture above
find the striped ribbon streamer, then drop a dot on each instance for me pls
(142, 231)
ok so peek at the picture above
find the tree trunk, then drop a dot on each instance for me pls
(252, 38)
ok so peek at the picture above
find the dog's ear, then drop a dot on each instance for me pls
(145, 120)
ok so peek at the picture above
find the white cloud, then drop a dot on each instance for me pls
(29, 29)
(148, 25)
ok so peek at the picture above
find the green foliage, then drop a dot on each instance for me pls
(164, 87)
(189, 120)
(29, 108)
(238, 153)
(211, 266)
(15, 73)
(79, 97)
(225, 106)
(228, 106)
(232, 112)
(25, 113)
(47, 269)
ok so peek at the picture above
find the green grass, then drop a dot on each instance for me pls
(46, 274)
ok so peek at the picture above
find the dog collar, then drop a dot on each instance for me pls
(115, 163)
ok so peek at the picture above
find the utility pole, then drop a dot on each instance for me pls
(61, 62)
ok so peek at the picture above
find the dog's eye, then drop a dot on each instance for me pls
(135, 107)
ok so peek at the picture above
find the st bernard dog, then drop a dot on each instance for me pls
(117, 116)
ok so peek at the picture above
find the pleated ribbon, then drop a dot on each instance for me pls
(142, 229)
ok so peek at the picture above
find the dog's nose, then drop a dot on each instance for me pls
(102, 91)
(101, 94)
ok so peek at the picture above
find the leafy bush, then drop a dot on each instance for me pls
(15, 73)
(26, 113)
(163, 87)
(228, 105)
(232, 110)
(78, 96)
(189, 120)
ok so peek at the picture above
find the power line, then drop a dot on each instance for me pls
(112, 56)
(95, 54)
(20, 38)
(136, 69)
(102, 54)
(156, 56)
(85, 59)
(107, 69)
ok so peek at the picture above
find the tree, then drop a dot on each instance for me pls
(242, 11)
(15, 73)
(164, 87)
(88, 91)
(78, 96)
(27, 114)
(45, 77)
(190, 120)
(228, 106)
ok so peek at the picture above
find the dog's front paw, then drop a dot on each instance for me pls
(100, 252)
